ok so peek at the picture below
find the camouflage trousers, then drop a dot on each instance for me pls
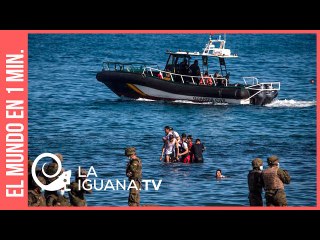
(276, 198)
(255, 199)
(134, 195)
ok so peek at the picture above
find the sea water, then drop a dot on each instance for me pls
(72, 113)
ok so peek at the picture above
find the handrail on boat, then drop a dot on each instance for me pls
(171, 75)
(265, 86)
(125, 67)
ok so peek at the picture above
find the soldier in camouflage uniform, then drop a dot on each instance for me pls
(35, 197)
(52, 168)
(77, 190)
(274, 179)
(56, 199)
(134, 173)
(255, 183)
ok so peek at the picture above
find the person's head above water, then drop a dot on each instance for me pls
(166, 129)
(218, 173)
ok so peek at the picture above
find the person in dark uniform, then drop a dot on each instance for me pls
(134, 173)
(52, 168)
(274, 179)
(56, 199)
(197, 150)
(194, 69)
(183, 67)
(35, 196)
(255, 183)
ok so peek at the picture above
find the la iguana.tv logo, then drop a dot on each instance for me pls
(96, 183)
(60, 183)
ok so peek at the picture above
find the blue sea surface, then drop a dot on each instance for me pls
(72, 113)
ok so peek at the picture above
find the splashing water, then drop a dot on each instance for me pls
(291, 103)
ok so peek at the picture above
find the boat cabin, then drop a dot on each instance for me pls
(181, 61)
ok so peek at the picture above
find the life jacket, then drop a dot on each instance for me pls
(201, 82)
(209, 81)
(255, 181)
(271, 179)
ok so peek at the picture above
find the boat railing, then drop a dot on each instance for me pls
(125, 67)
(250, 80)
(169, 76)
(264, 87)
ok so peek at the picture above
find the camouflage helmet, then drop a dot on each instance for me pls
(271, 160)
(130, 151)
(82, 172)
(257, 162)
(59, 155)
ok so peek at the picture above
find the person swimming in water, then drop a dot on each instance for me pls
(219, 174)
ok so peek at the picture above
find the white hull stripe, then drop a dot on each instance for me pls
(166, 95)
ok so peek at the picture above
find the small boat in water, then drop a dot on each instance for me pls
(181, 80)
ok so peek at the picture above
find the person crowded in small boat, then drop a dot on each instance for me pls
(206, 80)
(167, 77)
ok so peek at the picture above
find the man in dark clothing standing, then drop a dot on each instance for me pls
(197, 150)
(194, 69)
(255, 183)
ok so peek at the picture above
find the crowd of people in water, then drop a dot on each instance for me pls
(272, 180)
(193, 71)
(60, 198)
(181, 149)
(175, 149)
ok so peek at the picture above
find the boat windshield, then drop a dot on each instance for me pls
(187, 65)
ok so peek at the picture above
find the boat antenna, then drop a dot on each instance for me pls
(225, 38)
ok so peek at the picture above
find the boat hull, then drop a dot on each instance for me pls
(135, 85)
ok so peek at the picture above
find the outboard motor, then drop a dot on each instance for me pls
(270, 95)
(258, 99)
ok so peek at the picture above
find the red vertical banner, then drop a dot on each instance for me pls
(14, 119)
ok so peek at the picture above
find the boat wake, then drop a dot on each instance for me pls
(275, 104)
(291, 103)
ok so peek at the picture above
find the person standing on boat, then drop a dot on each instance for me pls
(274, 179)
(197, 150)
(134, 173)
(183, 67)
(194, 69)
(255, 183)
